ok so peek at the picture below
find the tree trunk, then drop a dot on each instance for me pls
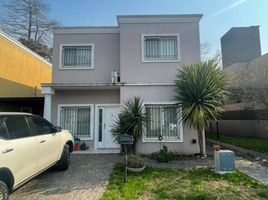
(29, 27)
(133, 147)
(202, 142)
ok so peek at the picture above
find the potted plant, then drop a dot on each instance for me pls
(76, 143)
(136, 163)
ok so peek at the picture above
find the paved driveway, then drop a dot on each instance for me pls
(85, 179)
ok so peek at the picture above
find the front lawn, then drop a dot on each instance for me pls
(195, 184)
(255, 144)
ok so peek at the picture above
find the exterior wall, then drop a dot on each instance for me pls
(21, 72)
(247, 128)
(123, 52)
(251, 74)
(157, 94)
(83, 97)
(185, 147)
(240, 45)
(132, 69)
(106, 57)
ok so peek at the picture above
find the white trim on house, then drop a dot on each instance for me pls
(179, 123)
(89, 29)
(76, 68)
(160, 61)
(92, 114)
(98, 85)
(172, 18)
(150, 84)
(97, 106)
(18, 44)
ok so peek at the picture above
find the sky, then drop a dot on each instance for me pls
(219, 15)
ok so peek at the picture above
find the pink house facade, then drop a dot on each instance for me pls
(97, 69)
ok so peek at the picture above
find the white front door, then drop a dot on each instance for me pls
(105, 118)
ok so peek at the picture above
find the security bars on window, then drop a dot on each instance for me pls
(76, 120)
(160, 48)
(76, 57)
(163, 121)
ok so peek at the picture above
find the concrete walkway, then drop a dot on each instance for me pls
(252, 169)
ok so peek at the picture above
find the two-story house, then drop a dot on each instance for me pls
(146, 51)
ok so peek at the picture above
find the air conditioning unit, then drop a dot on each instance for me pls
(224, 161)
(115, 77)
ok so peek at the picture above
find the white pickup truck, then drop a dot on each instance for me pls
(29, 145)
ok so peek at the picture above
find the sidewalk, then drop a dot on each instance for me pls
(252, 169)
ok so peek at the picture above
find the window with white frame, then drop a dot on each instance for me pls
(80, 57)
(77, 119)
(163, 121)
(160, 48)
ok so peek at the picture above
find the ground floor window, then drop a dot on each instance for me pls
(77, 119)
(163, 122)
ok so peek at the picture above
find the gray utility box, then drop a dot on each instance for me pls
(224, 161)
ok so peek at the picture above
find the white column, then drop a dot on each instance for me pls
(47, 92)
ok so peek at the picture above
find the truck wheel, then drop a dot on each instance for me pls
(64, 162)
(3, 191)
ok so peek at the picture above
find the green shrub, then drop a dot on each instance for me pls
(136, 161)
(163, 156)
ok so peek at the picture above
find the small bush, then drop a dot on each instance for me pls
(163, 156)
(136, 161)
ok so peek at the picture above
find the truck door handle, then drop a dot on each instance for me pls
(7, 150)
(42, 141)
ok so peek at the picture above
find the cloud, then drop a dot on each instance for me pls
(227, 8)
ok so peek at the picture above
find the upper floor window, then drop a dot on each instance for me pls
(77, 57)
(160, 48)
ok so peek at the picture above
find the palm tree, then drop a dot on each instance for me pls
(131, 120)
(200, 94)
(118, 126)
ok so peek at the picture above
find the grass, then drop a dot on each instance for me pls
(260, 145)
(195, 184)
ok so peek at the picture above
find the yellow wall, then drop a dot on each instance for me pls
(20, 71)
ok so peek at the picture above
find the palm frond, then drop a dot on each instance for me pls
(201, 93)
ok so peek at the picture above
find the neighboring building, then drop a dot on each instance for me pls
(247, 112)
(146, 50)
(21, 73)
(240, 45)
